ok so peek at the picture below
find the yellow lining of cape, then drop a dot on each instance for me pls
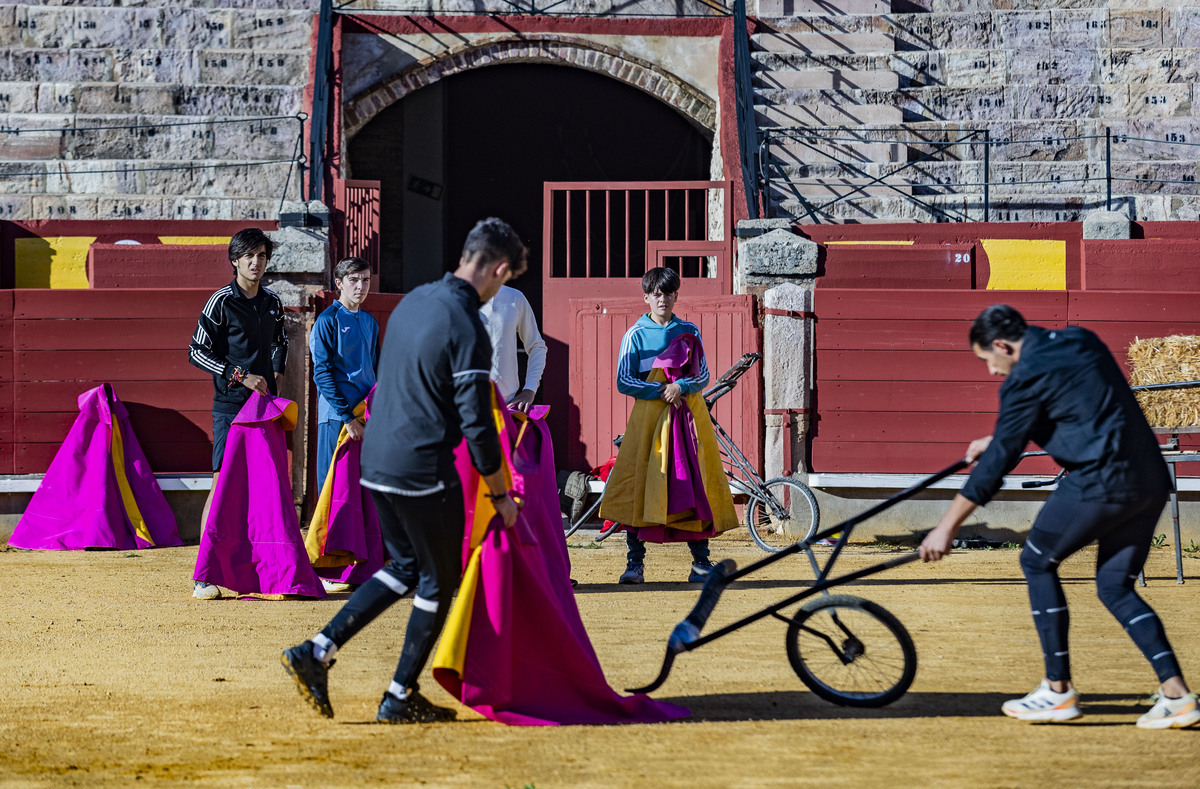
(318, 528)
(451, 652)
(117, 454)
(636, 490)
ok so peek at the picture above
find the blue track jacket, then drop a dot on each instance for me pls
(641, 345)
(345, 353)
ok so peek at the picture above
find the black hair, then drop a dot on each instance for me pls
(349, 266)
(660, 279)
(494, 239)
(248, 240)
(997, 322)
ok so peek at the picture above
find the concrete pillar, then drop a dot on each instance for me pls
(779, 266)
(787, 366)
(1107, 225)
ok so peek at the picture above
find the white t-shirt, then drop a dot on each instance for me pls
(508, 315)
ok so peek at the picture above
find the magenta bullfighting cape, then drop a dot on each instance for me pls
(668, 483)
(514, 648)
(251, 542)
(343, 541)
(99, 491)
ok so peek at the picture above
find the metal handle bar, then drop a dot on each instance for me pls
(1175, 385)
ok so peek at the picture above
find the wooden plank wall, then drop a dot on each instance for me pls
(898, 389)
(65, 342)
(598, 412)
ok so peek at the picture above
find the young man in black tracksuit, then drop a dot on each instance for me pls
(241, 341)
(1064, 391)
(433, 389)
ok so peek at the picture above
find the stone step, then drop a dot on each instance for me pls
(825, 115)
(834, 97)
(822, 43)
(786, 8)
(828, 79)
(822, 189)
(784, 151)
(913, 68)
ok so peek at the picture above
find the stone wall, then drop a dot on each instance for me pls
(194, 80)
(1041, 72)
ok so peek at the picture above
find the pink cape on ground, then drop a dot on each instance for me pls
(343, 542)
(99, 491)
(251, 543)
(515, 649)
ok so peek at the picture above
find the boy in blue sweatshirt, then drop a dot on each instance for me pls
(345, 352)
(641, 345)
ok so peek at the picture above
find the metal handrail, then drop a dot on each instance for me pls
(746, 121)
(811, 138)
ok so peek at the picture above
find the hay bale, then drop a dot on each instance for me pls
(1161, 360)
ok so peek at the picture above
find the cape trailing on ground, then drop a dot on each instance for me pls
(251, 542)
(344, 542)
(514, 648)
(668, 482)
(99, 491)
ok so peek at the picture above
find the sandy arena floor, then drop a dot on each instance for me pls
(112, 675)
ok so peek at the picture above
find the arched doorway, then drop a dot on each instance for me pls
(483, 141)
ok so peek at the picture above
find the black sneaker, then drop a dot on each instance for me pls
(311, 676)
(415, 709)
(633, 573)
(700, 570)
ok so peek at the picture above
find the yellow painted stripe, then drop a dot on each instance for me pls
(1026, 264)
(205, 240)
(56, 262)
(878, 243)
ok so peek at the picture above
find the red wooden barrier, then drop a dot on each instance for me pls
(898, 266)
(65, 342)
(1142, 264)
(898, 390)
(158, 266)
(598, 412)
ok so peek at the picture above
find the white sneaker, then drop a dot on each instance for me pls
(1171, 713)
(1044, 705)
(203, 591)
(335, 586)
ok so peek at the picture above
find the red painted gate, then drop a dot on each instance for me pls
(599, 239)
(356, 220)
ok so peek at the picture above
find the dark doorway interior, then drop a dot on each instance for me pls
(504, 131)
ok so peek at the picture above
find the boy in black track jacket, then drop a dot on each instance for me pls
(241, 341)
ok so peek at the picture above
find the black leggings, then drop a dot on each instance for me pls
(1123, 532)
(424, 538)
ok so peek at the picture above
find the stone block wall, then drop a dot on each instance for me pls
(1055, 76)
(151, 109)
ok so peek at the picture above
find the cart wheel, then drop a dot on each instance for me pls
(793, 517)
(851, 651)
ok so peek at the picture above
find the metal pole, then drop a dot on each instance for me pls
(320, 102)
(987, 174)
(1108, 167)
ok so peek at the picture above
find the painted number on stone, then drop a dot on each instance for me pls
(1156, 99)
(1175, 137)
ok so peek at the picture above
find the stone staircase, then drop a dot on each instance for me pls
(890, 88)
(150, 110)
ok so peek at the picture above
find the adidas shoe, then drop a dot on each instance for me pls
(1172, 713)
(333, 587)
(1044, 705)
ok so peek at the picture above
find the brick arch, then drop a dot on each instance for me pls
(558, 50)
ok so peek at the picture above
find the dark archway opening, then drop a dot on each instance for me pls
(483, 142)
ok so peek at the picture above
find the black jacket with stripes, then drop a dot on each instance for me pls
(235, 331)
(433, 388)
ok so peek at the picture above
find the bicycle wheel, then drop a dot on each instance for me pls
(793, 517)
(851, 651)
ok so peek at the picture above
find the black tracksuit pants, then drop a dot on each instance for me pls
(424, 538)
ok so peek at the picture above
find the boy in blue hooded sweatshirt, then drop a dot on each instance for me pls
(640, 347)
